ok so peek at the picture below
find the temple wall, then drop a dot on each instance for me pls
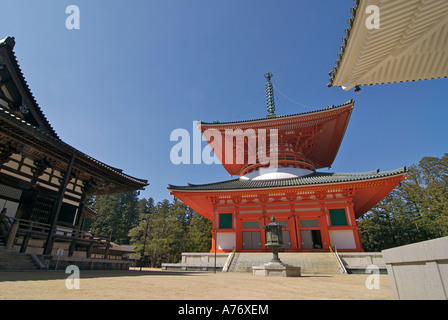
(308, 225)
(342, 239)
(226, 241)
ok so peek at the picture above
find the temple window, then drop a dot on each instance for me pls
(225, 221)
(338, 217)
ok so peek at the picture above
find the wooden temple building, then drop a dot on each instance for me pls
(43, 180)
(318, 210)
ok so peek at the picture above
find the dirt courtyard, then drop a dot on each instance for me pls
(156, 284)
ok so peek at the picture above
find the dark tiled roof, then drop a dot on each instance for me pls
(316, 178)
(45, 136)
(350, 102)
(48, 134)
(9, 42)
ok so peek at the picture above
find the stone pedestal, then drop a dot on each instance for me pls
(276, 269)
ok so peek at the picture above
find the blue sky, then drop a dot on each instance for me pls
(138, 69)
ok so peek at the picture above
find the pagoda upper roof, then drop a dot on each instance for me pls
(316, 135)
(274, 120)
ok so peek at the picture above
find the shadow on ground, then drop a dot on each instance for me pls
(86, 274)
(92, 274)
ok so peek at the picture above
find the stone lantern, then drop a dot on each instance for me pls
(274, 238)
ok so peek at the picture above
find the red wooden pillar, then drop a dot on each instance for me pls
(323, 222)
(263, 221)
(298, 234)
(238, 232)
(298, 238)
(323, 225)
(356, 235)
(292, 223)
(214, 202)
(214, 233)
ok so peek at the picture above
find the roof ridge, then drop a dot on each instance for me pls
(347, 103)
(9, 42)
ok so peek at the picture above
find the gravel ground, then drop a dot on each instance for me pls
(156, 284)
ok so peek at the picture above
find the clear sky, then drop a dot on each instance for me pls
(136, 70)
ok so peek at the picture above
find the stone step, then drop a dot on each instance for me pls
(198, 261)
(12, 260)
(310, 262)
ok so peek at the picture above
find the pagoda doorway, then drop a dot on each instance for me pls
(251, 240)
(311, 239)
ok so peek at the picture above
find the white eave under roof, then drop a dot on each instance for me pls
(411, 44)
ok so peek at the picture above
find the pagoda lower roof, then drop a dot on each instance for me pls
(366, 188)
(316, 178)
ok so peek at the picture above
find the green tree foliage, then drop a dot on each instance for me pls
(161, 231)
(117, 214)
(417, 210)
(168, 229)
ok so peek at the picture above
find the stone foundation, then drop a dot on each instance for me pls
(276, 269)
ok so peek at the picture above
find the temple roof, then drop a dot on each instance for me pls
(23, 122)
(410, 44)
(316, 135)
(277, 117)
(369, 188)
(38, 139)
(13, 83)
(316, 178)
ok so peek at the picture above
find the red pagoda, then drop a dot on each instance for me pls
(277, 159)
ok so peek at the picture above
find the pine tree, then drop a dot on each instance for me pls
(116, 215)
(417, 210)
(166, 230)
(199, 236)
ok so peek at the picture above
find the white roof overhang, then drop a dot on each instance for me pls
(410, 43)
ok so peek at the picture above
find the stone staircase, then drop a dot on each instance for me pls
(311, 262)
(14, 261)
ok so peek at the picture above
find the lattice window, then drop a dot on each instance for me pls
(9, 192)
